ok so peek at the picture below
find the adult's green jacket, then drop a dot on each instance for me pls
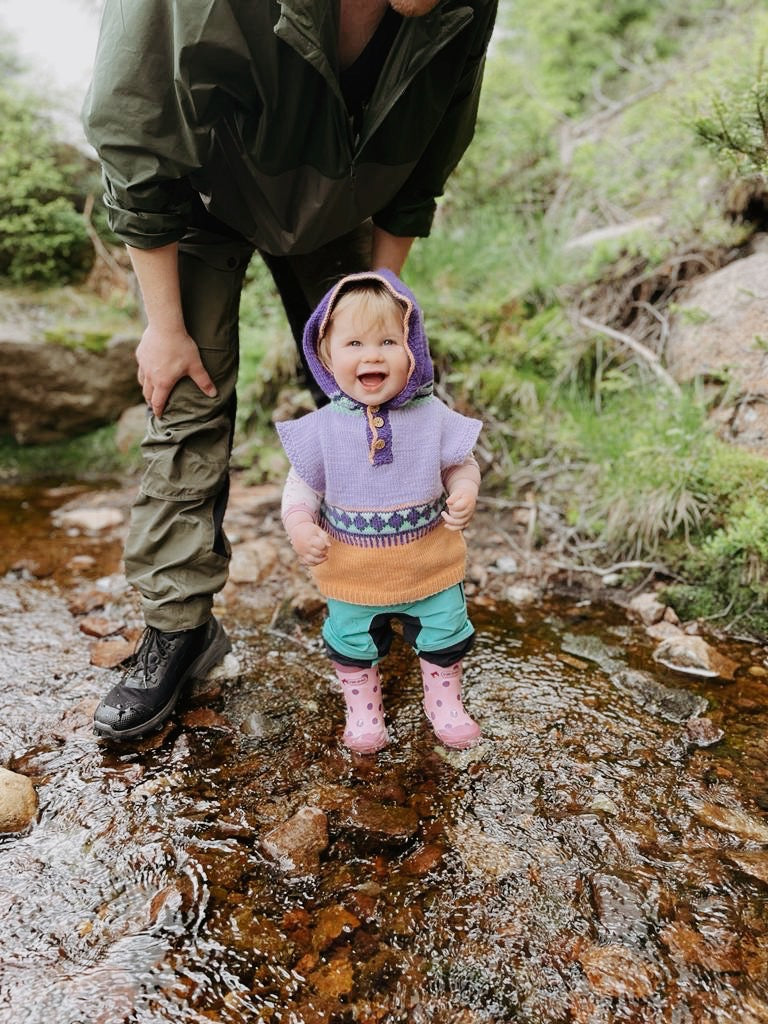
(239, 101)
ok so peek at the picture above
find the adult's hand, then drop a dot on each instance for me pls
(164, 357)
(166, 352)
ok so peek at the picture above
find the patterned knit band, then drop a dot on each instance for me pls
(383, 528)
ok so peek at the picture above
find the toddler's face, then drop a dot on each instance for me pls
(368, 358)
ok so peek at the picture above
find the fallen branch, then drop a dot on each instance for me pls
(102, 252)
(648, 356)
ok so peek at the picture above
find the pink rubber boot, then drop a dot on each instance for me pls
(365, 731)
(442, 703)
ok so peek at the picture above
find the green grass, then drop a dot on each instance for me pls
(90, 456)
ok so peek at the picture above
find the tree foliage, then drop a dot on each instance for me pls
(43, 238)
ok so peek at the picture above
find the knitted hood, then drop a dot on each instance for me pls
(420, 376)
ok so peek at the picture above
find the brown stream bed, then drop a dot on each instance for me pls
(586, 863)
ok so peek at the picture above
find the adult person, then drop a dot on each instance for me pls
(318, 132)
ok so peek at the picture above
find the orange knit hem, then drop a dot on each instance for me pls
(393, 574)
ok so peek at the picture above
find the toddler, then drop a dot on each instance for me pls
(382, 482)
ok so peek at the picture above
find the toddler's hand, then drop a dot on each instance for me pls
(310, 543)
(460, 507)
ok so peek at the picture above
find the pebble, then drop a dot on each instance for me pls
(296, 845)
(731, 820)
(647, 608)
(90, 520)
(702, 732)
(111, 652)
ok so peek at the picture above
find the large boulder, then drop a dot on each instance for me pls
(56, 389)
(719, 332)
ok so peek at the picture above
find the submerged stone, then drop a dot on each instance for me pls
(731, 820)
(296, 845)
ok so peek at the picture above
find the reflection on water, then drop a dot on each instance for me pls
(584, 864)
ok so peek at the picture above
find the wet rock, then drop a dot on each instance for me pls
(506, 564)
(112, 652)
(693, 655)
(592, 649)
(647, 608)
(663, 630)
(672, 705)
(330, 923)
(731, 820)
(619, 908)
(131, 428)
(521, 594)
(482, 855)
(379, 822)
(752, 862)
(205, 718)
(690, 946)
(171, 901)
(333, 980)
(702, 732)
(99, 625)
(89, 520)
(228, 668)
(257, 726)
(602, 804)
(253, 560)
(296, 845)
(423, 860)
(18, 802)
(88, 600)
(615, 971)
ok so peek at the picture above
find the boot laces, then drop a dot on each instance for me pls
(154, 647)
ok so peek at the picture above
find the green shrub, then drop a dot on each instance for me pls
(43, 239)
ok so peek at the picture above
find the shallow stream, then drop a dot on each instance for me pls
(586, 863)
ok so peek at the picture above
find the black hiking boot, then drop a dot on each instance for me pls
(158, 672)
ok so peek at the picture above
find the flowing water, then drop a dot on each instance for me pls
(586, 863)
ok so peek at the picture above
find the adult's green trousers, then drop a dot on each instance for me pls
(177, 553)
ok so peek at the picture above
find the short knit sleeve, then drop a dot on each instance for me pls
(299, 438)
(459, 435)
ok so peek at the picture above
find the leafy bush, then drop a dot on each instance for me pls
(43, 239)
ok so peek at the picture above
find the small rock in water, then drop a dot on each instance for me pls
(702, 732)
(521, 593)
(112, 652)
(693, 655)
(615, 970)
(483, 855)
(603, 804)
(99, 625)
(91, 520)
(506, 564)
(229, 668)
(647, 608)
(670, 704)
(296, 845)
(18, 801)
(732, 820)
(752, 862)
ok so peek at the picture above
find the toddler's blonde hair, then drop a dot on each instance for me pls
(373, 299)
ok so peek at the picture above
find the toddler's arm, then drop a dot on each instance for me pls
(462, 483)
(299, 513)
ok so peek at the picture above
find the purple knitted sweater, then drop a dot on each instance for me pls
(379, 471)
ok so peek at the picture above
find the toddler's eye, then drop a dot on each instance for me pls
(389, 341)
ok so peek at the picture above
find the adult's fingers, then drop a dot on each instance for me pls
(200, 376)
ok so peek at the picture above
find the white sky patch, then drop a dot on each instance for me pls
(56, 41)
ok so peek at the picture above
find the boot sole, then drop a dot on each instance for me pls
(213, 654)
